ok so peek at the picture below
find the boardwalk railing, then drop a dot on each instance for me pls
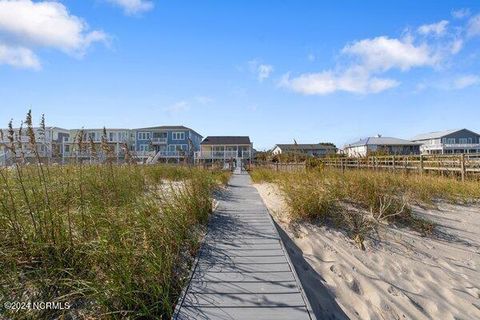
(462, 164)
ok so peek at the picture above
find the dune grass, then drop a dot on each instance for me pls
(113, 241)
(358, 201)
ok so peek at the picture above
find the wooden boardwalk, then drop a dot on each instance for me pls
(243, 270)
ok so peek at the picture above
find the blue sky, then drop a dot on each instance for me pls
(275, 70)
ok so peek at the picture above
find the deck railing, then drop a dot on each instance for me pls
(217, 155)
(171, 154)
(23, 139)
(451, 145)
(159, 140)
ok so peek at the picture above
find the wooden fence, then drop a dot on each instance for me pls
(284, 167)
(462, 164)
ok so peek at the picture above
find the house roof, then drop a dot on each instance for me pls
(179, 127)
(383, 141)
(437, 134)
(221, 140)
(305, 146)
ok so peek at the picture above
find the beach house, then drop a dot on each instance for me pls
(225, 149)
(87, 143)
(49, 141)
(379, 144)
(166, 143)
(313, 150)
(449, 142)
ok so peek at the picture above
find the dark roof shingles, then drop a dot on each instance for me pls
(221, 140)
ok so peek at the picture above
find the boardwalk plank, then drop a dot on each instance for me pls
(244, 300)
(244, 277)
(269, 313)
(242, 271)
(233, 259)
(244, 287)
(242, 267)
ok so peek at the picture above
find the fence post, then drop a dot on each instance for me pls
(421, 164)
(393, 162)
(343, 165)
(462, 166)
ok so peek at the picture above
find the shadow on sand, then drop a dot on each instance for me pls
(312, 282)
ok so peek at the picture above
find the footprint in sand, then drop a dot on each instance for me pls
(393, 291)
(355, 286)
(350, 281)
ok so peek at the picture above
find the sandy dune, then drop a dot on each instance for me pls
(404, 276)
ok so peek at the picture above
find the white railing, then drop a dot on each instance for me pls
(222, 154)
(144, 154)
(159, 140)
(174, 154)
(73, 140)
(451, 145)
(23, 139)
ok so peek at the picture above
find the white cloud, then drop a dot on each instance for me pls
(354, 80)
(466, 81)
(26, 25)
(383, 53)
(178, 107)
(473, 28)
(133, 6)
(363, 65)
(456, 46)
(436, 29)
(461, 13)
(19, 57)
(204, 100)
(366, 60)
(264, 71)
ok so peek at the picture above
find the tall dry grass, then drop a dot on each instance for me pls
(358, 201)
(113, 241)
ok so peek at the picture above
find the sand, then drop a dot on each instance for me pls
(402, 276)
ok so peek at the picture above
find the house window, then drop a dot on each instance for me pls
(67, 148)
(111, 136)
(450, 140)
(178, 135)
(144, 147)
(144, 136)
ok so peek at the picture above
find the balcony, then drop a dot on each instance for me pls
(451, 146)
(73, 140)
(216, 155)
(23, 139)
(157, 141)
(171, 154)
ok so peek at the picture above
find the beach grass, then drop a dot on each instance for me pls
(111, 241)
(360, 200)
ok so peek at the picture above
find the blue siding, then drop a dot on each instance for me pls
(195, 138)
